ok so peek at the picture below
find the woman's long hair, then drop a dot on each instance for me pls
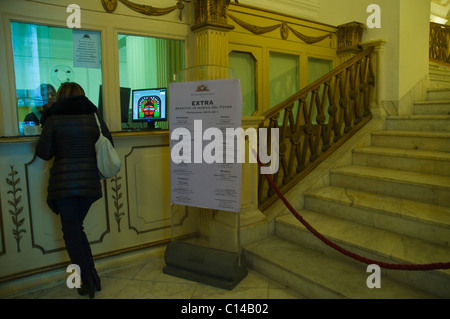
(69, 90)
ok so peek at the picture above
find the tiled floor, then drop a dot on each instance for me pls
(144, 279)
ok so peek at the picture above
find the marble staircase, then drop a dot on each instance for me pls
(439, 75)
(391, 205)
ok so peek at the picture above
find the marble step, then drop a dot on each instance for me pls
(438, 66)
(433, 123)
(415, 219)
(437, 70)
(438, 94)
(375, 244)
(433, 141)
(438, 84)
(433, 107)
(317, 276)
(440, 76)
(421, 161)
(421, 187)
(441, 70)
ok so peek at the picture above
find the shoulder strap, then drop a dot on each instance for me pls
(98, 123)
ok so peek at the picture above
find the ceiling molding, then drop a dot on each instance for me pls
(308, 9)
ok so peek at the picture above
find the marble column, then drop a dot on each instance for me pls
(225, 230)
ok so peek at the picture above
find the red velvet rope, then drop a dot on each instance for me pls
(368, 261)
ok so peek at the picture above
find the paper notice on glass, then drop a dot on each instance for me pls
(205, 170)
(86, 49)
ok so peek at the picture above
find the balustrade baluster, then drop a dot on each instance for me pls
(440, 43)
(306, 137)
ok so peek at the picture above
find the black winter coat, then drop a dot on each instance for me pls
(69, 134)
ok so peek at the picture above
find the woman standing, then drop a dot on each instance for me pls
(69, 134)
(48, 94)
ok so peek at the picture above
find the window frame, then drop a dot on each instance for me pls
(11, 123)
(255, 71)
(135, 32)
(257, 55)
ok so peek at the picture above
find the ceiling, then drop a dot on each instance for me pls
(441, 2)
(440, 9)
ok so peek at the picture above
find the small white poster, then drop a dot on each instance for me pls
(204, 169)
(86, 49)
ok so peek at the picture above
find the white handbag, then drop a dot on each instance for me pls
(108, 161)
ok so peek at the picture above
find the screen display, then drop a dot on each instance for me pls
(125, 94)
(150, 105)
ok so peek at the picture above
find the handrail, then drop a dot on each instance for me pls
(316, 120)
(440, 43)
(316, 83)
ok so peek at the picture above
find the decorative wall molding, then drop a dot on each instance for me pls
(148, 190)
(45, 225)
(16, 209)
(25, 212)
(111, 5)
(284, 30)
(118, 204)
(45, 234)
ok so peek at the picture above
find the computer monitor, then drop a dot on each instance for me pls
(125, 94)
(149, 105)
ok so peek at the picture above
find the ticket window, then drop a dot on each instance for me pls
(44, 58)
(147, 64)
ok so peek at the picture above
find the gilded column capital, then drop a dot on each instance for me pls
(211, 13)
(349, 37)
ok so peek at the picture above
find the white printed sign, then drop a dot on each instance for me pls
(204, 169)
(86, 49)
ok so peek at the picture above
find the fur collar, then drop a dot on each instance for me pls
(74, 106)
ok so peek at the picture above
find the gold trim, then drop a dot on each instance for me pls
(111, 5)
(310, 40)
(284, 32)
(211, 13)
(253, 28)
(34, 139)
(349, 36)
(236, 7)
(139, 133)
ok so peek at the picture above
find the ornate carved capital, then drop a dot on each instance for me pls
(212, 13)
(349, 37)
